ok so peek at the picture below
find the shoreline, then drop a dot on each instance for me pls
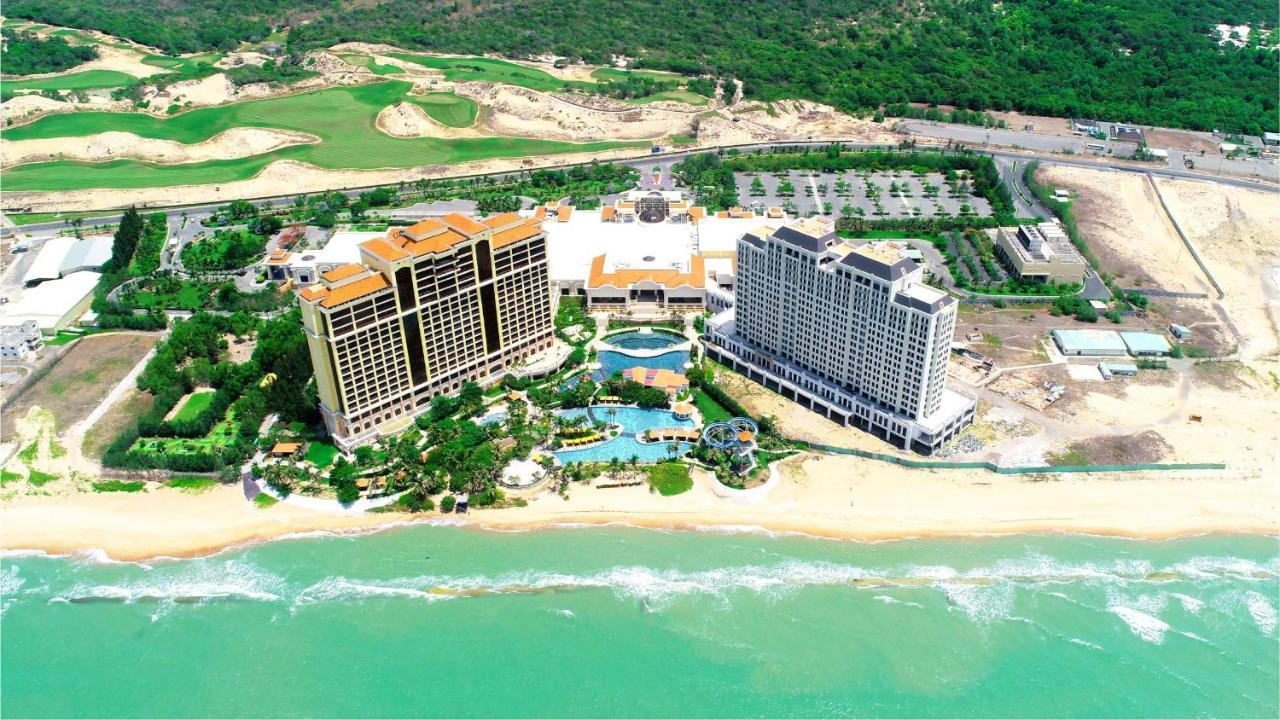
(825, 497)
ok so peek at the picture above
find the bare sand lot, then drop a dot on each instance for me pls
(1237, 232)
(1122, 221)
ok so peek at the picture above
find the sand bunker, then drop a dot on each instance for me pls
(229, 144)
(406, 120)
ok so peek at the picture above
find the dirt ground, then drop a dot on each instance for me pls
(127, 410)
(1123, 223)
(79, 380)
(1146, 447)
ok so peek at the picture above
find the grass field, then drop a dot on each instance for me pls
(349, 140)
(712, 411)
(79, 379)
(681, 96)
(321, 454)
(490, 70)
(194, 405)
(447, 108)
(86, 80)
(616, 75)
(193, 484)
(33, 218)
(670, 478)
(367, 62)
(222, 435)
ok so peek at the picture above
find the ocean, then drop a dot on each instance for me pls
(588, 622)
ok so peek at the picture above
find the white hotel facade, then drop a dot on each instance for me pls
(848, 332)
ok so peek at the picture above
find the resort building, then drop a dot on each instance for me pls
(644, 283)
(849, 332)
(429, 307)
(1039, 253)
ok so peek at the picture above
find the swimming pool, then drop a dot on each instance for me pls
(611, 362)
(623, 447)
(644, 340)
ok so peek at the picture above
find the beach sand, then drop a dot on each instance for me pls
(826, 496)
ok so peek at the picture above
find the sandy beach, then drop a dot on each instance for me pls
(825, 496)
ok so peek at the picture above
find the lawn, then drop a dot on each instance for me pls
(196, 404)
(348, 140)
(185, 67)
(680, 96)
(373, 66)
(447, 108)
(712, 411)
(8, 476)
(321, 454)
(670, 478)
(85, 80)
(465, 69)
(222, 435)
(33, 218)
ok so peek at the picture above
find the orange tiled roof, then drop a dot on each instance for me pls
(278, 257)
(436, 238)
(464, 223)
(722, 213)
(541, 212)
(655, 377)
(607, 213)
(524, 231)
(384, 249)
(626, 205)
(775, 212)
(563, 212)
(313, 292)
(498, 221)
(342, 272)
(667, 277)
(354, 291)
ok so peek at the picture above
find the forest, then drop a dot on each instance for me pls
(26, 54)
(1150, 62)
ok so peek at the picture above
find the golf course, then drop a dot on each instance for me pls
(341, 118)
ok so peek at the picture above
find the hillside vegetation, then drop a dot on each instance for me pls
(1144, 61)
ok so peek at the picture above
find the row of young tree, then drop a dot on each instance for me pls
(1154, 62)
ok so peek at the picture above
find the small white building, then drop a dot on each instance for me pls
(21, 341)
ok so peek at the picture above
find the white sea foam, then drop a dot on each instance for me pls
(890, 600)
(203, 582)
(1262, 612)
(1085, 643)
(10, 583)
(1190, 604)
(1149, 628)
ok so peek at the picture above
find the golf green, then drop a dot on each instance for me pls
(342, 118)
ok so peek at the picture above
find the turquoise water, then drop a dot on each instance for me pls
(633, 420)
(444, 621)
(644, 341)
(611, 362)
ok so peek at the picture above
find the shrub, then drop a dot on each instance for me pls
(447, 503)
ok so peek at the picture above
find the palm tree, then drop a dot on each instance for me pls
(615, 466)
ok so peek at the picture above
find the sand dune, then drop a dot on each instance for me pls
(406, 120)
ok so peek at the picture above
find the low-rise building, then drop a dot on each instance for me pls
(21, 341)
(1039, 253)
(1127, 133)
(669, 380)
(1141, 344)
(1089, 342)
(641, 282)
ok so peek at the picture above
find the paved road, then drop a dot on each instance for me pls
(961, 133)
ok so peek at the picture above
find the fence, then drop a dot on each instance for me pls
(1004, 470)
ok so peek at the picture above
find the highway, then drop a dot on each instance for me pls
(1010, 161)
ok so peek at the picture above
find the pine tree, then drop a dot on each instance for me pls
(126, 238)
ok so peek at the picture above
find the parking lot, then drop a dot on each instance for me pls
(876, 195)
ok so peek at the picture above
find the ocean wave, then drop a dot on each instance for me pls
(232, 580)
(1262, 612)
(1148, 627)
(10, 583)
